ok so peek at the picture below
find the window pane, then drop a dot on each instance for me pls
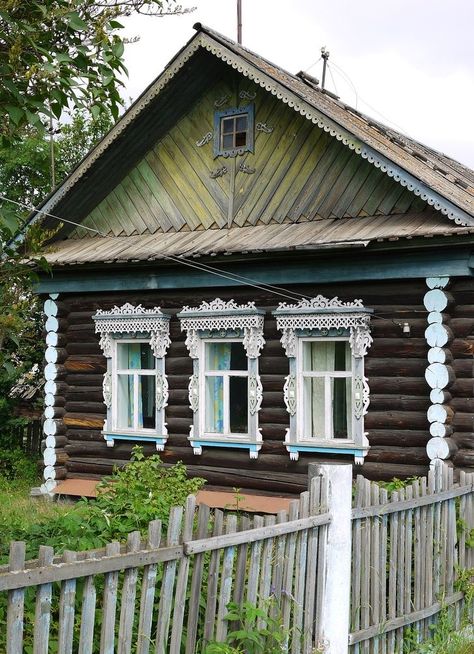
(146, 402)
(214, 405)
(135, 356)
(238, 399)
(125, 402)
(314, 412)
(227, 125)
(228, 141)
(341, 407)
(241, 123)
(240, 139)
(226, 356)
(326, 356)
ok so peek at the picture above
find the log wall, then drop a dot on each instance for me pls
(397, 423)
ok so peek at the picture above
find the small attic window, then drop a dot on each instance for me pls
(234, 131)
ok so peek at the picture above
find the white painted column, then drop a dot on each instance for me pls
(50, 389)
(439, 374)
(336, 575)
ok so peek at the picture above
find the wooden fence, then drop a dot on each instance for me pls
(408, 549)
(170, 593)
(25, 437)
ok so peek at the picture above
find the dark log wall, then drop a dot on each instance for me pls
(396, 422)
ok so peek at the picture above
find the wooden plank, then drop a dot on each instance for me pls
(413, 503)
(241, 564)
(182, 579)
(300, 575)
(289, 570)
(167, 583)
(15, 602)
(408, 553)
(84, 568)
(127, 608)
(400, 544)
(107, 636)
(148, 592)
(254, 535)
(356, 560)
(67, 601)
(404, 620)
(377, 576)
(365, 607)
(44, 596)
(212, 581)
(196, 582)
(383, 574)
(311, 568)
(392, 575)
(254, 564)
(265, 586)
(225, 582)
(161, 195)
(89, 599)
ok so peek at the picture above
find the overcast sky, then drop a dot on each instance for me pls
(412, 61)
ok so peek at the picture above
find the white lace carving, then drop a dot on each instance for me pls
(107, 389)
(161, 391)
(193, 389)
(361, 397)
(253, 341)
(320, 302)
(289, 394)
(255, 394)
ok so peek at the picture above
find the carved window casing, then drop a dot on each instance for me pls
(326, 393)
(135, 388)
(224, 340)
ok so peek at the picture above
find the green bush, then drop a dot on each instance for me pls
(16, 466)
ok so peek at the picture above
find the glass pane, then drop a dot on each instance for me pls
(314, 413)
(227, 125)
(240, 139)
(135, 356)
(326, 356)
(125, 402)
(238, 399)
(341, 406)
(241, 123)
(226, 356)
(214, 405)
(228, 141)
(146, 402)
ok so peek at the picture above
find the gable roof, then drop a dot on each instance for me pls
(443, 183)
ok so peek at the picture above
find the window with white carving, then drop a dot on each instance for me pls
(224, 340)
(234, 131)
(326, 392)
(134, 340)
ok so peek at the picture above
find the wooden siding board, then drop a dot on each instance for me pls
(316, 185)
(355, 207)
(391, 198)
(129, 211)
(382, 188)
(155, 208)
(331, 180)
(341, 205)
(135, 196)
(345, 181)
(112, 205)
(161, 194)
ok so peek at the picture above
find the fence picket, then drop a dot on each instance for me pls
(107, 637)
(375, 577)
(182, 579)
(357, 564)
(129, 591)
(196, 581)
(15, 602)
(254, 564)
(301, 556)
(213, 580)
(265, 587)
(67, 602)
(148, 592)
(226, 582)
(311, 568)
(167, 584)
(384, 544)
(43, 605)
(289, 571)
(89, 599)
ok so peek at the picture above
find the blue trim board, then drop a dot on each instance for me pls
(161, 440)
(326, 450)
(296, 269)
(247, 446)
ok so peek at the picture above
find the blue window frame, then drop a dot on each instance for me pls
(234, 131)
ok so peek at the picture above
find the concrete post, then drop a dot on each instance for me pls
(336, 575)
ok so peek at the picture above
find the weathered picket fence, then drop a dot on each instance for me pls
(408, 550)
(170, 593)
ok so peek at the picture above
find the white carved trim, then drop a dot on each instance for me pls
(360, 340)
(255, 393)
(319, 302)
(361, 397)
(107, 389)
(221, 315)
(253, 341)
(161, 391)
(129, 319)
(289, 342)
(193, 392)
(289, 394)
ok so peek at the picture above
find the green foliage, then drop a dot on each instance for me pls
(445, 638)
(259, 631)
(396, 484)
(16, 467)
(128, 500)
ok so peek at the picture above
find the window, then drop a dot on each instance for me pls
(134, 341)
(234, 131)
(326, 393)
(224, 340)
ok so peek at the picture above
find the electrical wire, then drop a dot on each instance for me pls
(312, 65)
(332, 77)
(50, 215)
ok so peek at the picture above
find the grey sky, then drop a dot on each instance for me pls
(411, 61)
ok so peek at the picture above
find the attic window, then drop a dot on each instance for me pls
(234, 131)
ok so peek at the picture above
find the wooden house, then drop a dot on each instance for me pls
(262, 277)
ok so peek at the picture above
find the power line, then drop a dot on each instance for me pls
(50, 215)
